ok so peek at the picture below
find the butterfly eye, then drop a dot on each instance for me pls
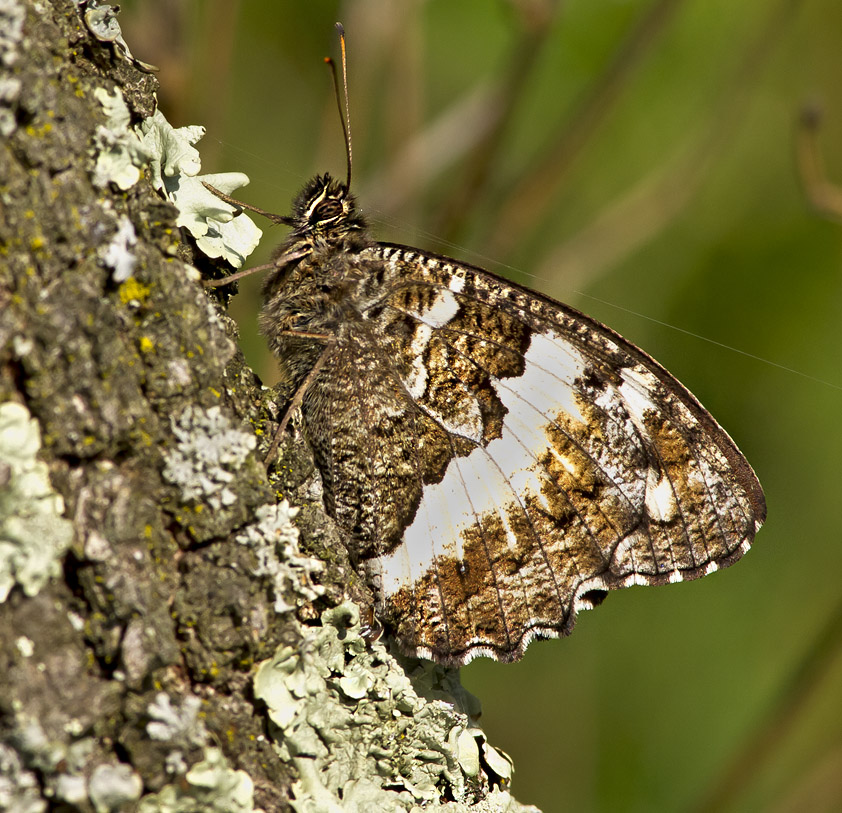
(327, 210)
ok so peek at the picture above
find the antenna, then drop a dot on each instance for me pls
(344, 115)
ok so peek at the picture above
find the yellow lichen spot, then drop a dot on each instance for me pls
(131, 289)
(147, 531)
(199, 508)
(146, 344)
(36, 243)
(217, 393)
(29, 214)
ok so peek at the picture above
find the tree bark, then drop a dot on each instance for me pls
(170, 639)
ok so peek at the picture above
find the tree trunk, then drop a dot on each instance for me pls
(170, 639)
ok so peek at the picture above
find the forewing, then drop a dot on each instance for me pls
(578, 465)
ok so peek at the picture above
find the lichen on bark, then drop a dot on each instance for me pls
(128, 674)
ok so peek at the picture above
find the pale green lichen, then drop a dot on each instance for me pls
(210, 786)
(220, 230)
(102, 22)
(122, 150)
(33, 533)
(274, 540)
(207, 454)
(112, 787)
(364, 737)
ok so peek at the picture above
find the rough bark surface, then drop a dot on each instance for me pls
(165, 572)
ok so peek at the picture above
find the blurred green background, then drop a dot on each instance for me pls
(636, 159)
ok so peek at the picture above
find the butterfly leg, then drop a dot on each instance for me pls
(298, 398)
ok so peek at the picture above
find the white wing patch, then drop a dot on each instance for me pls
(416, 382)
(660, 497)
(474, 485)
(442, 309)
(636, 397)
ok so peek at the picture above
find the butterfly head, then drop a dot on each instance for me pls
(325, 211)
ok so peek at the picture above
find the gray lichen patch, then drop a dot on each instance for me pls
(212, 464)
(350, 720)
(176, 723)
(208, 451)
(9, 90)
(33, 533)
(274, 540)
(20, 788)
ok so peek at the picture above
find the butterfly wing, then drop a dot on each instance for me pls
(568, 463)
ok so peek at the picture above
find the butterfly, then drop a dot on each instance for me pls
(496, 460)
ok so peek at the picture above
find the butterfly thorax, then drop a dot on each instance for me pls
(311, 295)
